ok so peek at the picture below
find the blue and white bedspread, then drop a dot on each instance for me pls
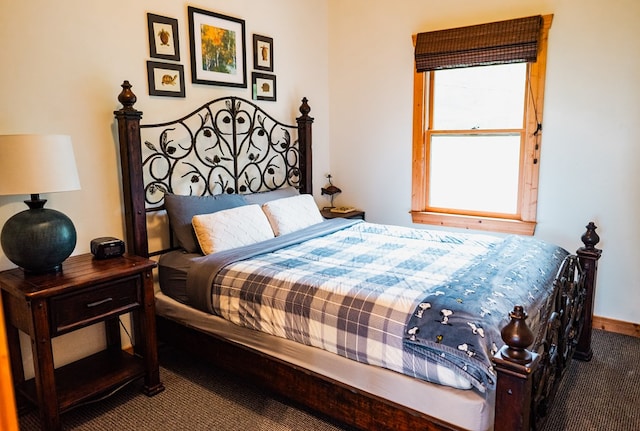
(429, 304)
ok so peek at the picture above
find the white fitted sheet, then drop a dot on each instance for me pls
(464, 408)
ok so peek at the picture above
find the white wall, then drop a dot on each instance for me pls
(589, 147)
(62, 66)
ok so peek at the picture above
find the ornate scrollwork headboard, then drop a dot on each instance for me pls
(228, 145)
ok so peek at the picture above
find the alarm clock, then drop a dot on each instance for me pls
(106, 247)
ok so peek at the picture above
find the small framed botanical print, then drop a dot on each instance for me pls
(264, 86)
(163, 37)
(165, 79)
(262, 53)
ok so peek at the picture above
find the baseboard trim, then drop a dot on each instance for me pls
(617, 326)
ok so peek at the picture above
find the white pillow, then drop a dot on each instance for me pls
(288, 215)
(231, 228)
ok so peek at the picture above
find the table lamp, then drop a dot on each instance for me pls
(38, 239)
(330, 190)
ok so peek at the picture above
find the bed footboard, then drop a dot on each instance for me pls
(528, 379)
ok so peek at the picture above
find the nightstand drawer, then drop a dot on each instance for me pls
(74, 310)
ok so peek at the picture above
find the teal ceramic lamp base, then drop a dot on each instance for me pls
(38, 240)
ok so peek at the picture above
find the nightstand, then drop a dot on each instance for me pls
(351, 214)
(87, 291)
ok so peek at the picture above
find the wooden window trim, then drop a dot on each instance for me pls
(525, 223)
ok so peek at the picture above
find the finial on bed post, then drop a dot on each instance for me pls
(128, 119)
(588, 257)
(590, 238)
(126, 96)
(517, 336)
(304, 108)
(304, 142)
(515, 365)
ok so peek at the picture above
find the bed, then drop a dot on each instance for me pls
(225, 191)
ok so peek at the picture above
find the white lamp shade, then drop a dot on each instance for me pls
(34, 164)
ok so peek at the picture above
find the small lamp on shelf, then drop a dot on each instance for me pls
(331, 191)
(38, 239)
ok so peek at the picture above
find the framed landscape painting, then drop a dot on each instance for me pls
(218, 50)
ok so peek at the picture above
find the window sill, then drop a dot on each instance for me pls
(519, 227)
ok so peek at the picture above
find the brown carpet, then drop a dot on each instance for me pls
(603, 394)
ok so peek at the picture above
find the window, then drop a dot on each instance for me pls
(477, 136)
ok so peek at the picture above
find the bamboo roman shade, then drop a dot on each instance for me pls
(511, 41)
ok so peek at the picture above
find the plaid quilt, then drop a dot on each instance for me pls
(357, 291)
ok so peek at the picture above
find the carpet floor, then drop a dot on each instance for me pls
(603, 394)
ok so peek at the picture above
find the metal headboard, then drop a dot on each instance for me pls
(228, 145)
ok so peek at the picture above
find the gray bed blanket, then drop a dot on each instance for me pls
(200, 277)
(425, 303)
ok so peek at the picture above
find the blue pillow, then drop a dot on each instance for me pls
(261, 198)
(181, 210)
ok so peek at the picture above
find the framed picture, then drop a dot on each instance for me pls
(264, 86)
(262, 53)
(163, 37)
(218, 54)
(165, 79)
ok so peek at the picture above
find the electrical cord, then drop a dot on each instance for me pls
(118, 388)
(126, 331)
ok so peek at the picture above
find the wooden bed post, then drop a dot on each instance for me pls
(588, 257)
(515, 366)
(304, 140)
(131, 164)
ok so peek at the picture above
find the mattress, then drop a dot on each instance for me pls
(463, 408)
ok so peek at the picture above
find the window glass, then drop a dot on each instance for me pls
(487, 97)
(474, 173)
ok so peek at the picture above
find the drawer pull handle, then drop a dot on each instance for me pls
(102, 301)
